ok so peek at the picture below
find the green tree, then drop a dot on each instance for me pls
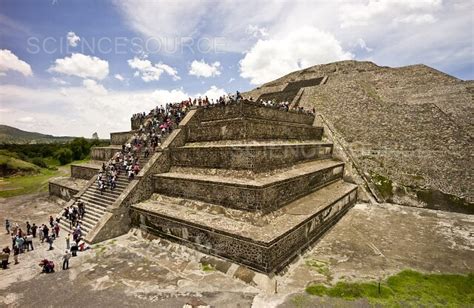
(80, 148)
(64, 156)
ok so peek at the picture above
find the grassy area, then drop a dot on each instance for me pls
(10, 164)
(26, 184)
(32, 183)
(319, 266)
(407, 288)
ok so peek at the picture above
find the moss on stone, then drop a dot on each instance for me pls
(206, 267)
(438, 199)
(384, 185)
(322, 267)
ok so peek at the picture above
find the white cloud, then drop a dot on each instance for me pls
(81, 65)
(231, 79)
(416, 19)
(10, 62)
(272, 58)
(149, 71)
(213, 93)
(119, 77)
(202, 69)
(26, 120)
(94, 87)
(256, 31)
(225, 22)
(361, 43)
(76, 111)
(59, 81)
(381, 11)
(72, 39)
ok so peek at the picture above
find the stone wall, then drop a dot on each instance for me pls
(263, 198)
(257, 158)
(120, 138)
(261, 256)
(84, 172)
(253, 110)
(61, 191)
(252, 129)
(283, 249)
(103, 153)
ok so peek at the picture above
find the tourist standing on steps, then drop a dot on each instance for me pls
(7, 226)
(66, 257)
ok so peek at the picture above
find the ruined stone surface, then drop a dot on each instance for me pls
(263, 193)
(257, 157)
(295, 192)
(86, 170)
(265, 247)
(410, 125)
(252, 110)
(120, 138)
(66, 187)
(251, 129)
(104, 153)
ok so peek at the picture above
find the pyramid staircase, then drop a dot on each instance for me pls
(95, 202)
(252, 184)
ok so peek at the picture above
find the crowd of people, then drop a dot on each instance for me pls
(179, 109)
(22, 239)
(285, 106)
(154, 127)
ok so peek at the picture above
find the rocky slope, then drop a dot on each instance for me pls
(408, 130)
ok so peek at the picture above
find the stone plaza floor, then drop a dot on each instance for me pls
(370, 242)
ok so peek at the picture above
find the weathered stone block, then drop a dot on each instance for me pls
(265, 194)
(260, 157)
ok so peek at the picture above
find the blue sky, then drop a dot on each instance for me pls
(77, 67)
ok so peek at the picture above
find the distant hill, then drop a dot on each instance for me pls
(12, 135)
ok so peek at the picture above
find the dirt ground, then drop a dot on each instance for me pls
(370, 242)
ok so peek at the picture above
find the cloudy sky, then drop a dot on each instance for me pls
(82, 66)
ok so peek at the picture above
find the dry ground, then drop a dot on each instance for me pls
(370, 242)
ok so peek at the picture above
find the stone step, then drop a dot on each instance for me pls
(64, 225)
(110, 198)
(88, 219)
(251, 129)
(94, 210)
(96, 202)
(256, 157)
(265, 243)
(107, 192)
(257, 192)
